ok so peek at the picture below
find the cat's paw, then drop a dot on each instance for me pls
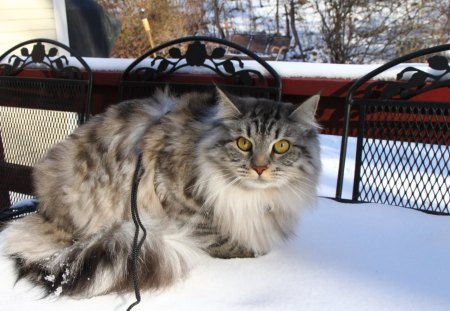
(238, 252)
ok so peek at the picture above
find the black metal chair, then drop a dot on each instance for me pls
(403, 141)
(145, 75)
(45, 93)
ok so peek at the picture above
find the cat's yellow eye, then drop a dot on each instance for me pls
(281, 146)
(244, 144)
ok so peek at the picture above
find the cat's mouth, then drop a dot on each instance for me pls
(251, 179)
(259, 182)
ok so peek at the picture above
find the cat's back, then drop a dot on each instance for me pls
(94, 166)
(114, 137)
(134, 116)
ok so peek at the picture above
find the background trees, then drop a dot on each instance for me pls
(338, 31)
(364, 31)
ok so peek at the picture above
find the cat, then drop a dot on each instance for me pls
(222, 175)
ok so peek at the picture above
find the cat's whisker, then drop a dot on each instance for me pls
(297, 184)
(234, 181)
(210, 200)
(302, 180)
(231, 183)
(213, 178)
(297, 192)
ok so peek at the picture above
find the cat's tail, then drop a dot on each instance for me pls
(101, 263)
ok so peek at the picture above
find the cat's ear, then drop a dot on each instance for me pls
(226, 107)
(306, 112)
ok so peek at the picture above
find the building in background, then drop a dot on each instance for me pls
(28, 19)
(81, 24)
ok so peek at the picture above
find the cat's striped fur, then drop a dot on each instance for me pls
(199, 193)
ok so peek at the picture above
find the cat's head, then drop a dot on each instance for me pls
(261, 143)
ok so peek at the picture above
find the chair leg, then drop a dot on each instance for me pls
(4, 193)
(4, 198)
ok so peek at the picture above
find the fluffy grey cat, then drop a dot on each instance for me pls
(222, 175)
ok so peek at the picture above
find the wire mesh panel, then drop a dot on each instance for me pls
(42, 100)
(155, 70)
(404, 154)
(403, 143)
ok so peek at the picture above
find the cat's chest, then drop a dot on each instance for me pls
(254, 219)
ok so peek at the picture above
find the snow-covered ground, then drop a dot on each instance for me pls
(344, 257)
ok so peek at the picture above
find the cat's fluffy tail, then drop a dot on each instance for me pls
(101, 263)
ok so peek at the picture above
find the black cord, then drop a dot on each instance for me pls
(20, 209)
(137, 222)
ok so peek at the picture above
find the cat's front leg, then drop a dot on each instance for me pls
(220, 245)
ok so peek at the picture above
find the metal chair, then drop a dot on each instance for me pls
(145, 75)
(403, 141)
(45, 93)
(259, 44)
(241, 39)
(279, 46)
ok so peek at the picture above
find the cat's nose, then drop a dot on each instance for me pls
(259, 169)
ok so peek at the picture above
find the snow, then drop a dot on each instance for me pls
(284, 69)
(348, 257)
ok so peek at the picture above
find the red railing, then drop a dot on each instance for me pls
(295, 89)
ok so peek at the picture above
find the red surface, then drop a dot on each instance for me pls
(295, 90)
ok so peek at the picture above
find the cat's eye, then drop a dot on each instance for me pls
(281, 146)
(244, 144)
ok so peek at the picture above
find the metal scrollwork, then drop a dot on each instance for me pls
(419, 81)
(197, 55)
(39, 56)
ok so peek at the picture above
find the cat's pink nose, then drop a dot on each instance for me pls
(259, 169)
